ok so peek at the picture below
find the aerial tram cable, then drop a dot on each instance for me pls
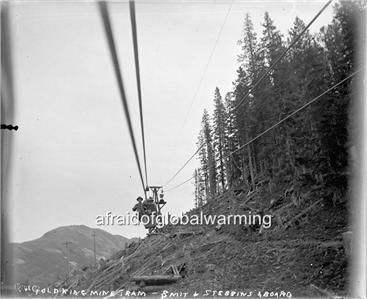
(205, 71)
(116, 65)
(207, 64)
(279, 122)
(183, 166)
(137, 68)
(266, 73)
(179, 185)
(294, 112)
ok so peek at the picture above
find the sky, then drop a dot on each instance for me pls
(72, 159)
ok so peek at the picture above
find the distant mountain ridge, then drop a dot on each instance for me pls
(44, 260)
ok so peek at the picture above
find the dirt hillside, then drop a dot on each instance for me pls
(301, 253)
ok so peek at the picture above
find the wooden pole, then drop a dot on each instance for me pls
(94, 249)
(67, 257)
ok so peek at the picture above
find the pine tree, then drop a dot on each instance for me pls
(219, 129)
(251, 56)
(266, 103)
(206, 155)
(231, 143)
(242, 123)
(310, 78)
(199, 189)
(257, 109)
(196, 192)
(203, 158)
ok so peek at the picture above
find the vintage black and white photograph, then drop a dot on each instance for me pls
(183, 148)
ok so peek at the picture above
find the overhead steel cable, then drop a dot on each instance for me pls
(116, 65)
(294, 112)
(137, 69)
(179, 185)
(207, 64)
(184, 165)
(273, 64)
(282, 55)
(281, 121)
(204, 72)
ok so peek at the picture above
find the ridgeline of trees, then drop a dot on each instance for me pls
(312, 146)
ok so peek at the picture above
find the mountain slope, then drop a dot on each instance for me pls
(300, 255)
(44, 260)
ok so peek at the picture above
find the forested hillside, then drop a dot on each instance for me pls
(311, 147)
